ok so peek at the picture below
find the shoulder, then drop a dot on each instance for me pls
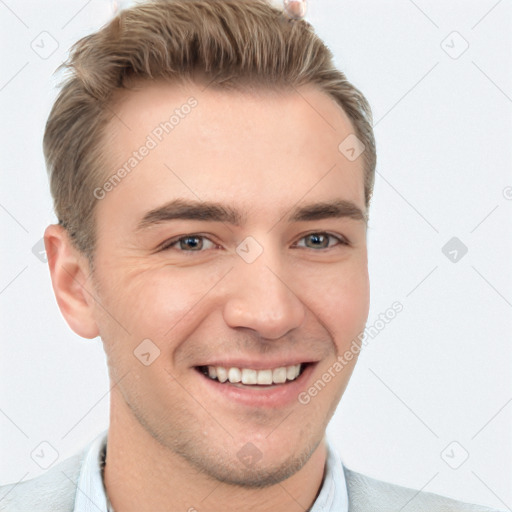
(54, 491)
(370, 495)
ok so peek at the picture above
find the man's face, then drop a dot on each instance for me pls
(238, 265)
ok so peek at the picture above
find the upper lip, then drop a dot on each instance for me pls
(255, 364)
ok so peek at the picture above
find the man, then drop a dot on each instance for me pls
(212, 173)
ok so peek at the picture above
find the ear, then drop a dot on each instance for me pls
(69, 270)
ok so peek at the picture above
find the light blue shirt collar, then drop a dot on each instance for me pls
(91, 496)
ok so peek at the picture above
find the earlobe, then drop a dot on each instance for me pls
(69, 272)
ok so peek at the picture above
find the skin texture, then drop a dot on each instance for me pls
(174, 440)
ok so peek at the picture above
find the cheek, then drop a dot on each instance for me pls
(159, 304)
(339, 297)
(354, 299)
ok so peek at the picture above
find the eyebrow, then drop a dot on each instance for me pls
(217, 212)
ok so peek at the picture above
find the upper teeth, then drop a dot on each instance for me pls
(249, 376)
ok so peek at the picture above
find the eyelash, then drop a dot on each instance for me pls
(170, 243)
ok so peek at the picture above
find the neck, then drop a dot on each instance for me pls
(141, 474)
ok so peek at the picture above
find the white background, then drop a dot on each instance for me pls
(441, 370)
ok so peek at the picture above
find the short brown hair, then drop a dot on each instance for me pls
(231, 42)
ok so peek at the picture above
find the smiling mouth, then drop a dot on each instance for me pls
(250, 377)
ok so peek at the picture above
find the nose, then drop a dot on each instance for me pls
(261, 297)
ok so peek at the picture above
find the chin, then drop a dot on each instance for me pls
(248, 467)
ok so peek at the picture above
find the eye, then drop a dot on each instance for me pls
(321, 240)
(189, 243)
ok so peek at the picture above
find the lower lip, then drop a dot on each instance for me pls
(277, 395)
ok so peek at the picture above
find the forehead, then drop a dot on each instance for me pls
(264, 148)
